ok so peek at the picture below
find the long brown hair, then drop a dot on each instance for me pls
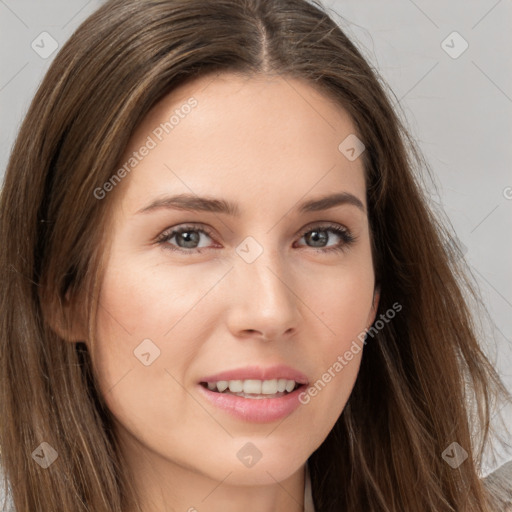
(424, 382)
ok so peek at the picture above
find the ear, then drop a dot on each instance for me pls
(375, 306)
(66, 319)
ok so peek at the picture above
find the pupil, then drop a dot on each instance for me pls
(191, 239)
(314, 235)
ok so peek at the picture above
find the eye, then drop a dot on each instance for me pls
(318, 235)
(188, 238)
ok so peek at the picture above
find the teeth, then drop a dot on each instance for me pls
(281, 385)
(222, 385)
(268, 387)
(236, 386)
(290, 384)
(253, 386)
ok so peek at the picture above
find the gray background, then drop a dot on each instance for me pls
(458, 107)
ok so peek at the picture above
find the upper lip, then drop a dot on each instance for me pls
(278, 371)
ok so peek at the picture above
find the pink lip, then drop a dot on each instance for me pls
(261, 410)
(255, 410)
(279, 371)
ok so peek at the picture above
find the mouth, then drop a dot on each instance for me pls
(253, 388)
(256, 394)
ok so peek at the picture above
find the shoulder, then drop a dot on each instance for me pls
(499, 485)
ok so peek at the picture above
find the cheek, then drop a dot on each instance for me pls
(342, 303)
(144, 322)
(141, 298)
(148, 333)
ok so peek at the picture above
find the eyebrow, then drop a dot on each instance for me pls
(190, 202)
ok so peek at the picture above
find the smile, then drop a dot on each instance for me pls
(253, 388)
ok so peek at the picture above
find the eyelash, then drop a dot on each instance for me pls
(347, 238)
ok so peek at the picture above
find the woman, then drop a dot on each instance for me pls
(222, 286)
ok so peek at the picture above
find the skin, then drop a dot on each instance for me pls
(266, 143)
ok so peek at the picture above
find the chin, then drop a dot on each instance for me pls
(261, 474)
(251, 466)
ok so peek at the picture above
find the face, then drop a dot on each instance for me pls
(259, 296)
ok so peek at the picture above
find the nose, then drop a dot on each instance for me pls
(262, 302)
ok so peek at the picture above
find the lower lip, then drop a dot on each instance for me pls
(255, 410)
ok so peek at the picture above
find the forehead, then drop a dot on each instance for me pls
(248, 139)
